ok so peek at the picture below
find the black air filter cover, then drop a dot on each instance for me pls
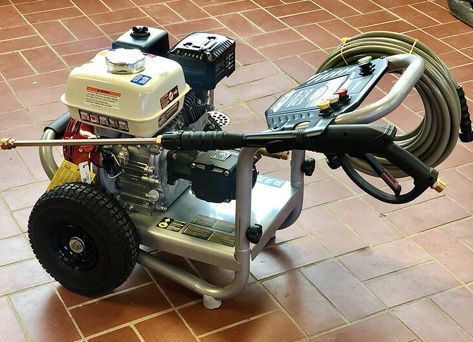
(206, 58)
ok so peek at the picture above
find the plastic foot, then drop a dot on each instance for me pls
(211, 303)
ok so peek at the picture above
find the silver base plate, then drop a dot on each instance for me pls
(204, 231)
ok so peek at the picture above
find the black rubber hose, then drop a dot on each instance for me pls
(59, 125)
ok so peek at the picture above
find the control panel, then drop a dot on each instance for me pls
(324, 96)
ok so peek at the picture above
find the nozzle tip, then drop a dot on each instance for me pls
(7, 143)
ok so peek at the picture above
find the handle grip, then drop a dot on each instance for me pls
(414, 68)
(423, 175)
(358, 140)
(202, 141)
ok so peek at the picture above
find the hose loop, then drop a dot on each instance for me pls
(434, 138)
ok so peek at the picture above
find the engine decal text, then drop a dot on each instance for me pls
(104, 99)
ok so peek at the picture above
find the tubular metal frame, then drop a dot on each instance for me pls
(244, 252)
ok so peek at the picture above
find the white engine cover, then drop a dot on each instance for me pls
(139, 104)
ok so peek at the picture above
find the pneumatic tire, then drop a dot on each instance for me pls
(83, 238)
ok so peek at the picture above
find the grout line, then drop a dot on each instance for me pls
(36, 72)
(229, 326)
(172, 10)
(428, 261)
(340, 327)
(18, 318)
(458, 168)
(385, 22)
(133, 327)
(387, 309)
(60, 21)
(282, 308)
(16, 38)
(462, 283)
(129, 323)
(354, 8)
(139, 320)
(81, 334)
(450, 318)
(103, 3)
(425, 14)
(43, 11)
(337, 310)
(45, 42)
(175, 309)
(460, 205)
(286, 27)
(88, 17)
(447, 228)
(107, 296)
(178, 313)
(332, 211)
(5, 205)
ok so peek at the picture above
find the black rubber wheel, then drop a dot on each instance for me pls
(83, 238)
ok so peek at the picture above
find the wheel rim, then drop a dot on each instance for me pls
(74, 247)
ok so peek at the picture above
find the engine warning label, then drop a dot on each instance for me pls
(104, 99)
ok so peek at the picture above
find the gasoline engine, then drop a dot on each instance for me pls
(143, 92)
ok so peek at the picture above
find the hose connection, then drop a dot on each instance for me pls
(439, 185)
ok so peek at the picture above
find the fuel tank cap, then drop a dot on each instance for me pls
(125, 61)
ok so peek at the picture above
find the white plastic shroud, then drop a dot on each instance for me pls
(139, 103)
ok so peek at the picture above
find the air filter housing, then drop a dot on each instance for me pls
(206, 58)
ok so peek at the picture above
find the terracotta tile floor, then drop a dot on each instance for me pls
(351, 269)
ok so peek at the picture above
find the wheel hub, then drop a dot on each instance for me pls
(76, 245)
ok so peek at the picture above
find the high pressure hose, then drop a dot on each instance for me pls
(434, 138)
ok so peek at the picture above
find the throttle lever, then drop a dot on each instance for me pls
(385, 175)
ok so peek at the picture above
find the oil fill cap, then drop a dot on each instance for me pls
(139, 32)
(125, 61)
